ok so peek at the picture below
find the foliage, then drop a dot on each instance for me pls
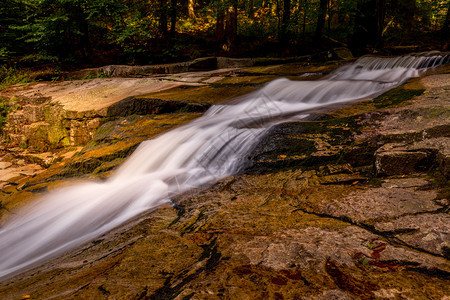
(10, 76)
(5, 108)
(74, 33)
(101, 75)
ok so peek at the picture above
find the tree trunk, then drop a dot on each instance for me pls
(173, 17)
(231, 27)
(85, 41)
(162, 26)
(380, 14)
(191, 11)
(284, 34)
(304, 21)
(369, 25)
(321, 20)
(445, 30)
(83, 29)
(410, 11)
(220, 26)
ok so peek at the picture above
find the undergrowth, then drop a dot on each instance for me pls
(5, 108)
(11, 76)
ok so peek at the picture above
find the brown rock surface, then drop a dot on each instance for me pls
(310, 220)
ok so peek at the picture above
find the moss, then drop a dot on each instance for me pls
(116, 140)
(206, 94)
(244, 78)
(108, 166)
(5, 109)
(99, 75)
(441, 183)
(58, 134)
(395, 97)
(292, 69)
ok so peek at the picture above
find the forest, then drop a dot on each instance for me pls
(71, 34)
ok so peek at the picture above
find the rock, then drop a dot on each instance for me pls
(45, 159)
(398, 159)
(393, 159)
(228, 62)
(203, 64)
(32, 113)
(441, 149)
(147, 106)
(200, 64)
(243, 236)
(115, 140)
(4, 164)
(379, 203)
(316, 224)
(405, 183)
(76, 109)
(13, 172)
(343, 53)
(430, 232)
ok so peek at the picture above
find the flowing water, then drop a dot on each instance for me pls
(201, 152)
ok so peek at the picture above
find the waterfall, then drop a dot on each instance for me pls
(202, 152)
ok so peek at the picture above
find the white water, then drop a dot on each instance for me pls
(201, 152)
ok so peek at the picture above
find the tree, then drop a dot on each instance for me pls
(162, 23)
(10, 45)
(284, 34)
(173, 17)
(445, 30)
(369, 24)
(323, 5)
(191, 11)
(226, 24)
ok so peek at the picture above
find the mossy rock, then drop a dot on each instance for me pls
(146, 106)
(205, 94)
(311, 145)
(116, 140)
(395, 97)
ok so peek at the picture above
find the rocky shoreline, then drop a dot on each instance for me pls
(352, 204)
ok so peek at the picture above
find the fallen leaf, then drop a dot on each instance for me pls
(391, 265)
(375, 254)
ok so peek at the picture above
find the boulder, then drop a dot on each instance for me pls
(393, 159)
(343, 53)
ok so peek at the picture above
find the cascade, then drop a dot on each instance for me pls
(202, 152)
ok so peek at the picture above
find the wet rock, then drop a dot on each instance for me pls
(241, 237)
(116, 140)
(317, 226)
(398, 159)
(393, 159)
(441, 148)
(147, 106)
